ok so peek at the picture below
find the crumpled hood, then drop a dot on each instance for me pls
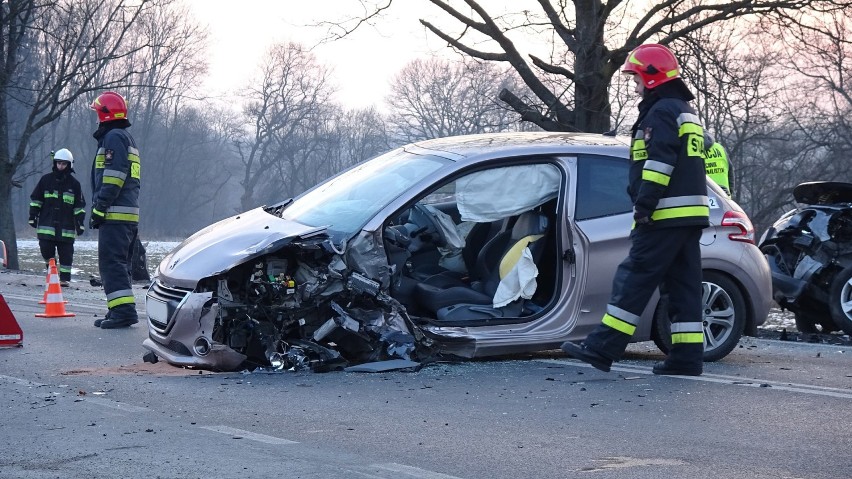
(223, 245)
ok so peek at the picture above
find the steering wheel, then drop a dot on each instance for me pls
(427, 230)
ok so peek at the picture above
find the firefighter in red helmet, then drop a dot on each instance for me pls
(116, 180)
(670, 208)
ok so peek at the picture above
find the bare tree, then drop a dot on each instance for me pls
(52, 53)
(591, 40)
(435, 98)
(287, 100)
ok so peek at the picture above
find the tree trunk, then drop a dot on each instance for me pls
(7, 223)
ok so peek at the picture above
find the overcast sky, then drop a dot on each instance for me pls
(363, 63)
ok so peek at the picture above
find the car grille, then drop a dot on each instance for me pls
(172, 297)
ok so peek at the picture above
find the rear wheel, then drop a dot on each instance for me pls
(724, 317)
(840, 300)
(813, 318)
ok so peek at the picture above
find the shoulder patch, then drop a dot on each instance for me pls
(647, 134)
(108, 155)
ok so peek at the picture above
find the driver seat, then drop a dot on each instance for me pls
(452, 299)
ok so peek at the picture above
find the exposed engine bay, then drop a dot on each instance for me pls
(809, 250)
(301, 308)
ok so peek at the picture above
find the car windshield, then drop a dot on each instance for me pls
(346, 202)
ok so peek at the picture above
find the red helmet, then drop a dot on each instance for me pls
(654, 63)
(110, 106)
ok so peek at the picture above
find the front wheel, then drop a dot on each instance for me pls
(840, 300)
(724, 317)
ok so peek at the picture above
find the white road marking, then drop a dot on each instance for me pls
(411, 471)
(723, 379)
(115, 404)
(253, 436)
(22, 382)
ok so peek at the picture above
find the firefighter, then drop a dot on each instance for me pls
(716, 163)
(58, 212)
(670, 208)
(115, 207)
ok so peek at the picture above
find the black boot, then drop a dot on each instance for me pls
(583, 353)
(120, 317)
(101, 320)
(668, 369)
(683, 360)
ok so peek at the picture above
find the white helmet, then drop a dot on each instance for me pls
(64, 155)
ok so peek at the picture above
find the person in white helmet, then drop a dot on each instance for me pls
(57, 212)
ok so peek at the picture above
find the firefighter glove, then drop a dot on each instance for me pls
(641, 218)
(96, 219)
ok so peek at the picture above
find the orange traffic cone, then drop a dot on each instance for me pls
(55, 306)
(47, 281)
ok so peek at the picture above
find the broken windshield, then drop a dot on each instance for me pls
(346, 202)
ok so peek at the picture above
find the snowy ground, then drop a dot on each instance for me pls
(86, 256)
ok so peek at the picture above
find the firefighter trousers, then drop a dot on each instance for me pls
(669, 258)
(65, 250)
(115, 248)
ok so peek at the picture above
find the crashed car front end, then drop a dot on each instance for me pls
(290, 300)
(808, 248)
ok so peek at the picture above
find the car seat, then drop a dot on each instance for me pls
(451, 299)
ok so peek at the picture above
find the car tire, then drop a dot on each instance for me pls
(724, 317)
(840, 300)
(813, 318)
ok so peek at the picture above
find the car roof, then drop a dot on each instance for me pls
(521, 143)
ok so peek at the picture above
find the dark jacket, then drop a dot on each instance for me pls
(58, 206)
(667, 179)
(116, 173)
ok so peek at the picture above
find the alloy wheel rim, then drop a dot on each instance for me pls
(719, 315)
(846, 299)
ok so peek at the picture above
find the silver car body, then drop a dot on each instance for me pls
(182, 318)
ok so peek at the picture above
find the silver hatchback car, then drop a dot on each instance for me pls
(457, 247)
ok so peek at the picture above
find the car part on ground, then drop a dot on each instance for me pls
(809, 250)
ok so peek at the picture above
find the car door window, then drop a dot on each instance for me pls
(602, 187)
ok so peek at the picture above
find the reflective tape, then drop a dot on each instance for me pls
(618, 324)
(120, 293)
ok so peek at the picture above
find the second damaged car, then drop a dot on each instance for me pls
(459, 247)
(809, 250)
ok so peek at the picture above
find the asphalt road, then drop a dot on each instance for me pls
(79, 402)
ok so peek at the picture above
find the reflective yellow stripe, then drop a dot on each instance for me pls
(681, 212)
(123, 217)
(618, 324)
(111, 180)
(99, 161)
(656, 177)
(119, 301)
(687, 338)
(690, 128)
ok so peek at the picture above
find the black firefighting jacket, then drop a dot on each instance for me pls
(58, 206)
(667, 178)
(116, 174)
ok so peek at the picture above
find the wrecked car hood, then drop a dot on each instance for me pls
(232, 241)
(823, 193)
